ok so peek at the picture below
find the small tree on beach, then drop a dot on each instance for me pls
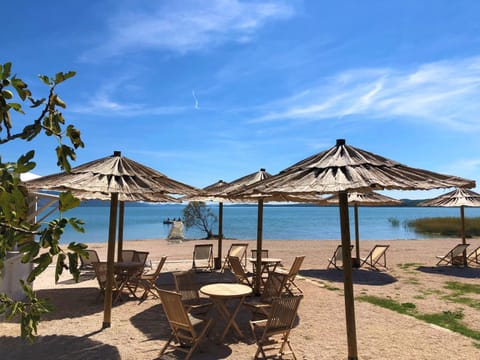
(39, 243)
(197, 214)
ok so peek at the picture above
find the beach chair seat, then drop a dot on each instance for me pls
(376, 257)
(455, 256)
(239, 250)
(242, 276)
(474, 256)
(337, 258)
(148, 281)
(202, 257)
(292, 273)
(273, 332)
(187, 330)
(186, 285)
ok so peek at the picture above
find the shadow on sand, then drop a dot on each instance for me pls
(360, 276)
(56, 347)
(464, 272)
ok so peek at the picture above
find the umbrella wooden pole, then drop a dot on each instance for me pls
(357, 237)
(218, 264)
(258, 275)
(121, 218)
(107, 309)
(347, 277)
(462, 216)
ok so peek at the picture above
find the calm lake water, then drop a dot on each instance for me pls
(280, 222)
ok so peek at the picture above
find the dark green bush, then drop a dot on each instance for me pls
(445, 226)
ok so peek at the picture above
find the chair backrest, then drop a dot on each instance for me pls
(474, 256)
(295, 268)
(274, 286)
(127, 255)
(88, 261)
(140, 256)
(239, 250)
(203, 256)
(282, 314)
(458, 250)
(377, 252)
(238, 270)
(254, 253)
(176, 314)
(186, 285)
(101, 273)
(160, 266)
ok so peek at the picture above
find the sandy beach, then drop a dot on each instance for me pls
(139, 329)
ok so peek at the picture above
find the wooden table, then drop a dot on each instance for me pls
(220, 294)
(126, 273)
(268, 265)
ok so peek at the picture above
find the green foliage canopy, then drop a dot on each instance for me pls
(39, 243)
(197, 214)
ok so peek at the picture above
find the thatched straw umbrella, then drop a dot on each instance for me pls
(456, 198)
(364, 199)
(342, 169)
(121, 179)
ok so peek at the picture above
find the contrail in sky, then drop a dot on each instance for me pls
(196, 100)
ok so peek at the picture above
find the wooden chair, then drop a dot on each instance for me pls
(273, 333)
(454, 256)
(254, 253)
(290, 285)
(148, 281)
(142, 257)
(127, 255)
(202, 257)
(376, 257)
(274, 287)
(239, 250)
(238, 270)
(474, 256)
(186, 286)
(187, 330)
(100, 269)
(337, 258)
(87, 261)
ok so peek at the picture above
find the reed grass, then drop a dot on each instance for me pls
(445, 226)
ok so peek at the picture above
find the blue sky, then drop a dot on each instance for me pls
(209, 90)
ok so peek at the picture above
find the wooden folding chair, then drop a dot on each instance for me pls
(87, 261)
(239, 250)
(474, 256)
(127, 255)
(376, 257)
(241, 275)
(253, 253)
(202, 257)
(148, 281)
(273, 333)
(186, 286)
(187, 330)
(274, 287)
(337, 258)
(454, 256)
(290, 285)
(100, 269)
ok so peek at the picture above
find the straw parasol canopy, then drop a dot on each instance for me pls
(342, 169)
(365, 199)
(457, 198)
(121, 179)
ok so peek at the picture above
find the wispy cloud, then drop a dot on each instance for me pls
(182, 27)
(444, 93)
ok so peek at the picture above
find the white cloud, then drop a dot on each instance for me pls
(186, 26)
(444, 93)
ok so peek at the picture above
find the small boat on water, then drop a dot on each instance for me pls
(170, 221)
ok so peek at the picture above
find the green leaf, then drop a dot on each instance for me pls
(60, 266)
(60, 77)
(45, 79)
(17, 107)
(6, 70)
(43, 261)
(67, 201)
(24, 164)
(77, 224)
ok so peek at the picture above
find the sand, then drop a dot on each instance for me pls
(139, 329)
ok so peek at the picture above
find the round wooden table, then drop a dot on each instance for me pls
(220, 294)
